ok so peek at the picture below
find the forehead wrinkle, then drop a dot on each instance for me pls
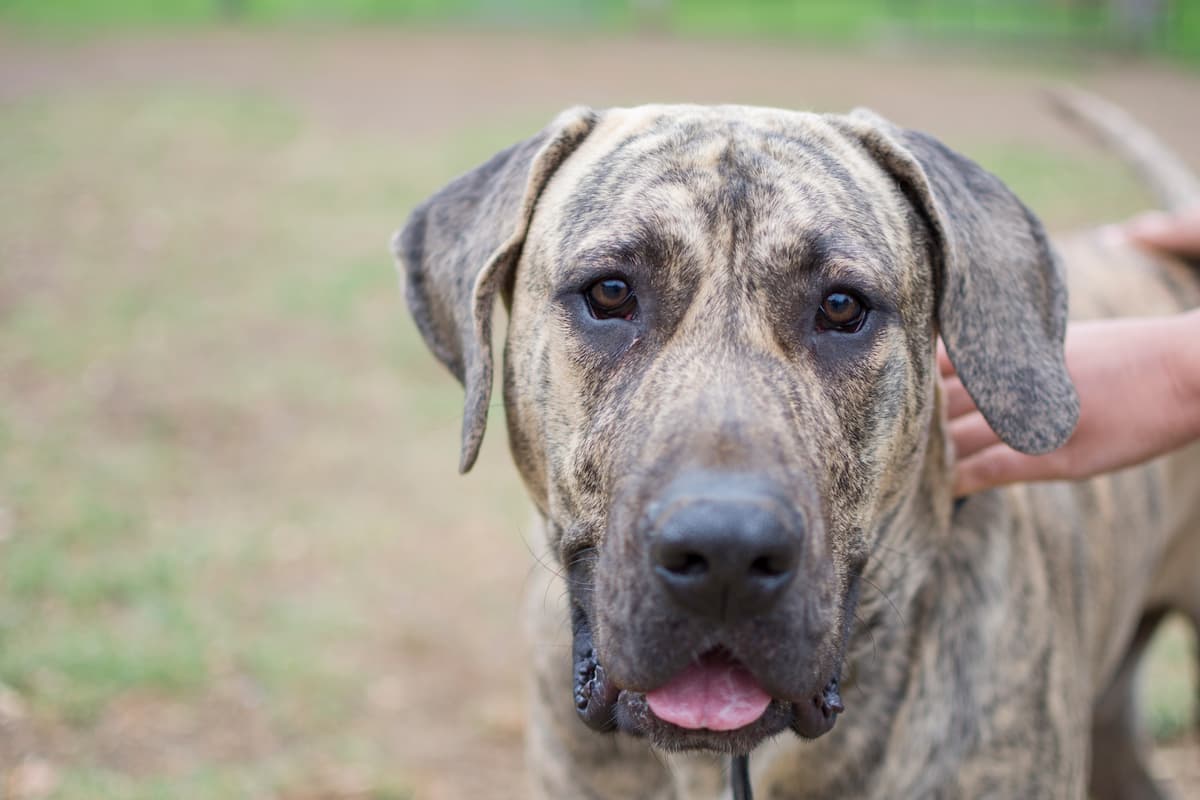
(821, 156)
(863, 272)
(663, 148)
(622, 178)
(640, 246)
(677, 190)
(891, 215)
(882, 240)
(826, 192)
(662, 168)
(661, 221)
(808, 238)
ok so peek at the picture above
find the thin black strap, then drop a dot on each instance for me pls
(739, 778)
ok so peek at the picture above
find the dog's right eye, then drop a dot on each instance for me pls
(611, 298)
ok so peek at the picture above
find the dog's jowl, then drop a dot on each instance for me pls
(721, 393)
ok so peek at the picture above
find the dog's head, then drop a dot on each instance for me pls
(720, 381)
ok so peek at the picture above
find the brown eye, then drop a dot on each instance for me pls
(610, 298)
(842, 312)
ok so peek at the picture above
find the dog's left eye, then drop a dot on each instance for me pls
(841, 311)
(611, 298)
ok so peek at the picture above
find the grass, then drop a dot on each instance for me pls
(202, 784)
(202, 327)
(129, 391)
(215, 440)
(1038, 177)
(1169, 680)
(1012, 23)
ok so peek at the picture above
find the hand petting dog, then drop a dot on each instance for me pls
(1138, 382)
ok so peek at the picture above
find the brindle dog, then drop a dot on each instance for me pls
(722, 396)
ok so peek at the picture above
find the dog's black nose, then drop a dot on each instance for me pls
(724, 550)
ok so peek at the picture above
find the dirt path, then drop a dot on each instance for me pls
(414, 85)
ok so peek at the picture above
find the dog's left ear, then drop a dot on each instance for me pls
(1002, 299)
(459, 247)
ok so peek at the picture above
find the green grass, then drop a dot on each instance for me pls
(1100, 188)
(1010, 22)
(203, 784)
(1169, 681)
(825, 19)
(205, 342)
(125, 385)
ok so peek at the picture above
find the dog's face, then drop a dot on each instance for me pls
(716, 376)
(719, 381)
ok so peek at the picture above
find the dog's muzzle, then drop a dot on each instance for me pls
(722, 551)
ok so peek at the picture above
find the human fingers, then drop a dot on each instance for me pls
(958, 402)
(990, 467)
(945, 368)
(970, 434)
(1179, 234)
(999, 465)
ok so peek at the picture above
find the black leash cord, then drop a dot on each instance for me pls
(739, 778)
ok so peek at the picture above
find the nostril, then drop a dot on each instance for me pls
(679, 561)
(766, 567)
(772, 565)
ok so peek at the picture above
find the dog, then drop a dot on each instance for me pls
(723, 399)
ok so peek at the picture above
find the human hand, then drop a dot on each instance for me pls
(1139, 394)
(1178, 234)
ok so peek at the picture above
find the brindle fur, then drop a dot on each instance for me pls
(981, 649)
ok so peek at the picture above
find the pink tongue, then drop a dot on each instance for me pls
(716, 693)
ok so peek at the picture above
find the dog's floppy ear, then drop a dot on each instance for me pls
(1002, 299)
(459, 247)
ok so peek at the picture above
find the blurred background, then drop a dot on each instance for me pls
(235, 558)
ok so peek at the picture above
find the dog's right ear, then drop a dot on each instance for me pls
(460, 246)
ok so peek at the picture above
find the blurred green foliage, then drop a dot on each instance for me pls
(1170, 27)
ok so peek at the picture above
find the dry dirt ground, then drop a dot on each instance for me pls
(207, 375)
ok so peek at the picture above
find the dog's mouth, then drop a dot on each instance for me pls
(714, 703)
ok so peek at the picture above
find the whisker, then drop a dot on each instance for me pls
(884, 595)
(862, 625)
(902, 553)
